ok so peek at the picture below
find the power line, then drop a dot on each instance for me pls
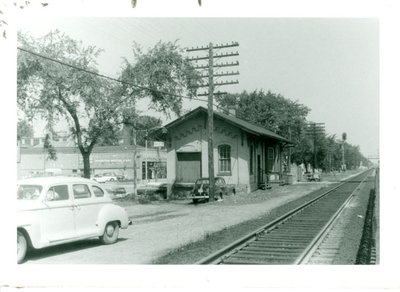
(102, 75)
(112, 78)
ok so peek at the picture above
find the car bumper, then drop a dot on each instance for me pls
(199, 197)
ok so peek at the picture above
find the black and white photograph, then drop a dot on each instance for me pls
(177, 141)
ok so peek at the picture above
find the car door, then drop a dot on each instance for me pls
(57, 221)
(87, 209)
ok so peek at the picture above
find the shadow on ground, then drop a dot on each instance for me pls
(37, 254)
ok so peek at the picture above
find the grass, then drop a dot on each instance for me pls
(367, 241)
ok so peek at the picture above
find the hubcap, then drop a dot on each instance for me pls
(110, 230)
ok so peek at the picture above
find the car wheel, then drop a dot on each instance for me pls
(111, 179)
(111, 232)
(195, 201)
(22, 246)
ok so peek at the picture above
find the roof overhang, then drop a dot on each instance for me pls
(244, 125)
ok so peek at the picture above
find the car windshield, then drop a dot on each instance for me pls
(28, 192)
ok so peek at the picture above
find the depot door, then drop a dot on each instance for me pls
(188, 167)
(259, 170)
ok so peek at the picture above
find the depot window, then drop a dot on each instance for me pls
(224, 163)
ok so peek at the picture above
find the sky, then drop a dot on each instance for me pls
(331, 65)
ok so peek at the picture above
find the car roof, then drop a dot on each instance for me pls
(54, 179)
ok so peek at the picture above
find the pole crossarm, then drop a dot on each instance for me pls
(218, 84)
(226, 83)
(215, 56)
(218, 65)
(204, 48)
(222, 74)
(215, 93)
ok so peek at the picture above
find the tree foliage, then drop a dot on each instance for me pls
(162, 74)
(275, 113)
(59, 92)
(95, 107)
(51, 151)
(140, 127)
(24, 129)
(289, 119)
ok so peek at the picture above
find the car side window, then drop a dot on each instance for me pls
(98, 192)
(57, 193)
(81, 191)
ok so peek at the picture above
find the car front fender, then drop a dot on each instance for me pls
(31, 225)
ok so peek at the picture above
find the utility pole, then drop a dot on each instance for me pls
(145, 167)
(290, 152)
(344, 137)
(314, 130)
(211, 121)
(134, 160)
(210, 102)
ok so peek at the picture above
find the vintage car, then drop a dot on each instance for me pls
(56, 210)
(105, 177)
(202, 187)
(313, 176)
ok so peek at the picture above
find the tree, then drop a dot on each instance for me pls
(137, 125)
(275, 113)
(57, 91)
(161, 74)
(24, 129)
(48, 147)
(93, 106)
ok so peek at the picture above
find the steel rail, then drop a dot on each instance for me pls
(313, 246)
(222, 254)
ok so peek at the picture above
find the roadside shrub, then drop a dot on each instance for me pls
(145, 196)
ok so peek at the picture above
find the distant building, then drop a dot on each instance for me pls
(60, 139)
(244, 154)
(33, 160)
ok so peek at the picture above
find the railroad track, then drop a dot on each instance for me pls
(294, 237)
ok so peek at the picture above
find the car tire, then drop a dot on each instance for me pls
(22, 246)
(111, 232)
(195, 201)
(111, 179)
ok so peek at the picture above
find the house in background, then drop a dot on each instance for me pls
(245, 155)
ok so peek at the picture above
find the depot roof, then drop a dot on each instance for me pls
(242, 124)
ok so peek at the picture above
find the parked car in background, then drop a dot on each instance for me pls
(56, 210)
(105, 177)
(313, 176)
(121, 177)
(118, 192)
(201, 189)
